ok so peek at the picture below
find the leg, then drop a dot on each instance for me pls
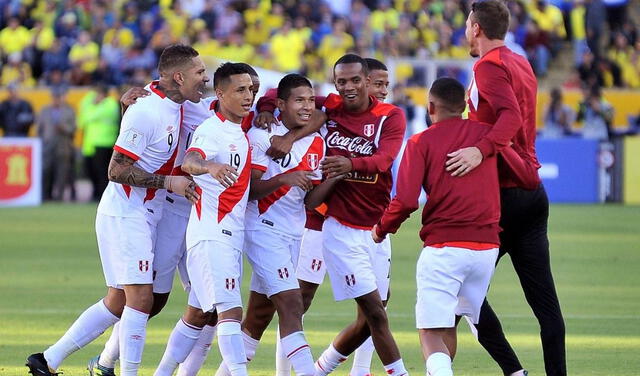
(230, 340)
(436, 351)
(260, 311)
(133, 327)
(192, 365)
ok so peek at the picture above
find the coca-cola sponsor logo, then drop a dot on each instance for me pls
(359, 145)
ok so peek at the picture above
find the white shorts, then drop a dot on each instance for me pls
(311, 266)
(273, 258)
(169, 248)
(215, 271)
(125, 245)
(452, 281)
(355, 263)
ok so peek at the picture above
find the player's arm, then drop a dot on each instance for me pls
(130, 97)
(321, 192)
(122, 170)
(410, 177)
(195, 164)
(388, 147)
(261, 188)
(494, 85)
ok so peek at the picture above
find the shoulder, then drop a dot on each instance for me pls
(333, 101)
(386, 109)
(258, 135)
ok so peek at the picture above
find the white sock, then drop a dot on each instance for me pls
(283, 366)
(396, 368)
(111, 351)
(362, 359)
(181, 341)
(518, 373)
(91, 323)
(329, 361)
(133, 332)
(232, 347)
(198, 354)
(439, 364)
(299, 353)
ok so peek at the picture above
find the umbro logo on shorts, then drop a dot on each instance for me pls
(283, 273)
(267, 222)
(351, 279)
(143, 265)
(230, 283)
(227, 232)
(316, 264)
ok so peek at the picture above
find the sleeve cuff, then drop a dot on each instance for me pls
(379, 232)
(258, 167)
(126, 152)
(199, 151)
(486, 147)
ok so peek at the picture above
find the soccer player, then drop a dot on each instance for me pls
(147, 142)
(169, 251)
(219, 160)
(503, 93)
(459, 224)
(378, 80)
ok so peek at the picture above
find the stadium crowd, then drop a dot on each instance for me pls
(82, 42)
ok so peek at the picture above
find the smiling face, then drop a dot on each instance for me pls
(296, 110)
(351, 83)
(193, 80)
(235, 97)
(379, 84)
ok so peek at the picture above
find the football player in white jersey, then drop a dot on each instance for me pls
(220, 162)
(148, 139)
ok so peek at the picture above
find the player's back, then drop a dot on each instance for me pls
(283, 210)
(149, 134)
(219, 214)
(466, 208)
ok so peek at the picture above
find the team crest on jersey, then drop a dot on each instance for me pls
(312, 161)
(369, 129)
(230, 283)
(143, 265)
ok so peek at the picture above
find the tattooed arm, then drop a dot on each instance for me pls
(122, 170)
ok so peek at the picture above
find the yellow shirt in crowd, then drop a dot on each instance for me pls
(88, 53)
(14, 40)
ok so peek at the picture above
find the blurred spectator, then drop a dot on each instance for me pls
(16, 114)
(111, 68)
(209, 14)
(402, 100)
(237, 50)
(17, 71)
(228, 20)
(56, 127)
(84, 58)
(384, 18)
(122, 36)
(558, 117)
(162, 38)
(621, 54)
(55, 59)
(287, 47)
(616, 13)
(596, 114)
(14, 37)
(550, 21)
(358, 17)
(537, 46)
(596, 14)
(176, 18)
(578, 30)
(42, 39)
(98, 119)
(336, 44)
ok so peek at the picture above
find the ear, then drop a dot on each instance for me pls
(476, 29)
(431, 108)
(281, 104)
(367, 81)
(219, 93)
(178, 77)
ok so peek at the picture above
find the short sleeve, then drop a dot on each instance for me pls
(259, 143)
(317, 173)
(136, 132)
(204, 142)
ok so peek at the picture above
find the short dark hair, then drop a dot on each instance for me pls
(252, 72)
(225, 71)
(352, 59)
(450, 92)
(492, 16)
(290, 82)
(174, 56)
(375, 64)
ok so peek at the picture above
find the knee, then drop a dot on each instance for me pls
(376, 317)
(290, 306)
(196, 317)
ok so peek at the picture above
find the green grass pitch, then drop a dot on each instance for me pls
(50, 272)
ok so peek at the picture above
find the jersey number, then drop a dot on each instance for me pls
(284, 161)
(170, 141)
(234, 160)
(186, 146)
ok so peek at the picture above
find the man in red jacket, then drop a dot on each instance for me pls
(503, 93)
(459, 224)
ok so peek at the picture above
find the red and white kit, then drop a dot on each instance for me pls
(275, 223)
(149, 134)
(215, 233)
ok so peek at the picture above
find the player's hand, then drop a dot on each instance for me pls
(225, 174)
(183, 186)
(463, 161)
(265, 120)
(130, 96)
(336, 165)
(300, 179)
(280, 146)
(374, 235)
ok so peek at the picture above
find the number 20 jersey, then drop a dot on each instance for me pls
(219, 214)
